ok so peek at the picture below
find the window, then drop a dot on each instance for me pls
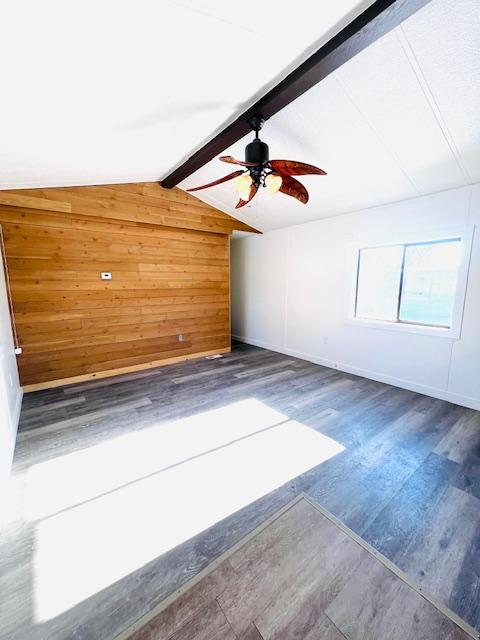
(413, 285)
(429, 283)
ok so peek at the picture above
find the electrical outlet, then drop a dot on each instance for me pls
(106, 275)
(181, 337)
(18, 351)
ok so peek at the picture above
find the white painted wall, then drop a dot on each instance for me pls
(10, 390)
(290, 289)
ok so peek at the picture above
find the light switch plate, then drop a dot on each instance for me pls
(106, 275)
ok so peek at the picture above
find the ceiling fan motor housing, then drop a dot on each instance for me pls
(257, 151)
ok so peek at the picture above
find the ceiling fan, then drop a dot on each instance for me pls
(275, 175)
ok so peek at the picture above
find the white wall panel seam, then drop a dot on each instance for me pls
(424, 85)
(375, 132)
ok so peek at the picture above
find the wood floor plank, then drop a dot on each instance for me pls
(376, 605)
(317, 569)
(187, 606)
(406, 513)
(315, 627)
(298, 608)
(50, 406)
(465, 596)
(252, 634)
(260, 371)
(204, 374)
(208, 624)
(434, 558)
(464, 437)
(268, 564)
(83, 418)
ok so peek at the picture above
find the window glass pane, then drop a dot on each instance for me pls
(379, 272)
(429, 283)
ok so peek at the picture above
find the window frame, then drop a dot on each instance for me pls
(465, 235)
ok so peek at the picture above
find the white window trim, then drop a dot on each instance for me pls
(453, 332)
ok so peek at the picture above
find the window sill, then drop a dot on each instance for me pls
(403, 327)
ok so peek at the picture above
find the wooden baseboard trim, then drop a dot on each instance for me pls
(51, 384)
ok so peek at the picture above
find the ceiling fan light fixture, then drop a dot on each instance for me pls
(274, 175)
(273, 183)
(243, 184)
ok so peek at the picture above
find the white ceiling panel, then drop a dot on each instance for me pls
(445, 41)
(386, 90)
(115, 91)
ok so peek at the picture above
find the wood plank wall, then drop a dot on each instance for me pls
(169, 257)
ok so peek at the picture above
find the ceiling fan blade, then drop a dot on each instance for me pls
(242, 203)
(294, 188)
(219, 181)
(232, 160)
(292, 168)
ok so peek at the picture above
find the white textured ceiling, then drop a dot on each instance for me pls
(114, 91)
(401, 119)
(104, 91)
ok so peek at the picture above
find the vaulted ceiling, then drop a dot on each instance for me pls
(112, 91)
(108, 92)
(399, 120)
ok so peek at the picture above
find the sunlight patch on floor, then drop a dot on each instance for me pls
(165, 485)
(92, 472)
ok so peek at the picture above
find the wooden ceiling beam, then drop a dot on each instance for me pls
(380, 18)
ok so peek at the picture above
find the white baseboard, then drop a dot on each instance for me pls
(434, 392)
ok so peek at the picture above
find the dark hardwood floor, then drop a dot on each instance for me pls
(123, 489)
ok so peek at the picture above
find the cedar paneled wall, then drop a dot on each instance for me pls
(169, 257)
